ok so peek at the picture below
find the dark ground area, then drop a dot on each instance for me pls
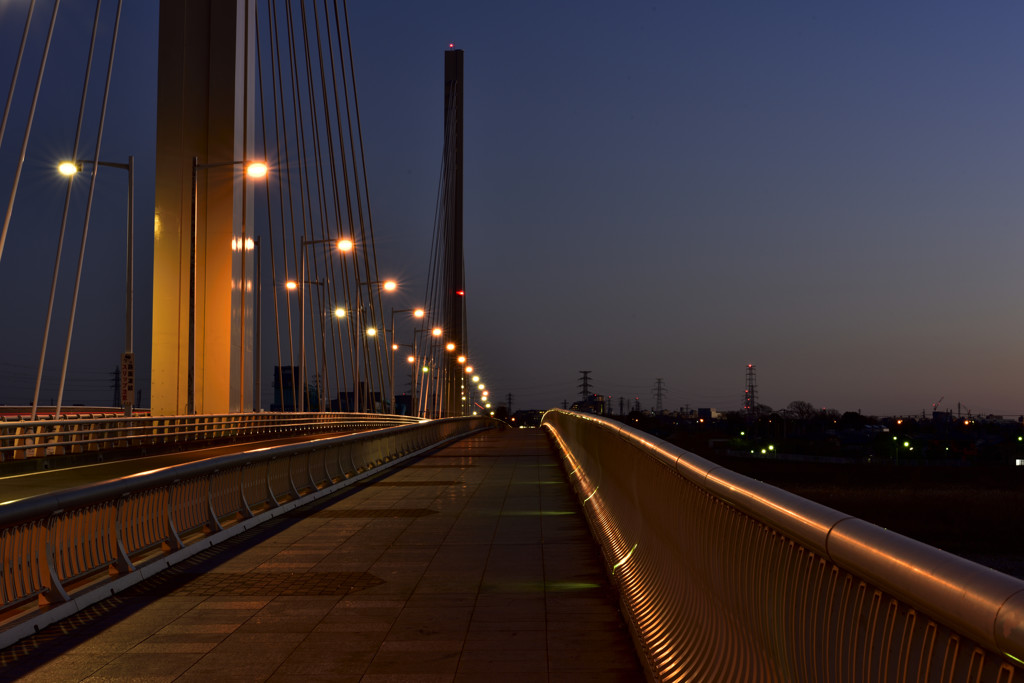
(963, 509)
(975, 511)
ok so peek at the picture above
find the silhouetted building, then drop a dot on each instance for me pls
(284, 388)
(592, 404)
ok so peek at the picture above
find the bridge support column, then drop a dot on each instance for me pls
(454, 264)
(204, 96)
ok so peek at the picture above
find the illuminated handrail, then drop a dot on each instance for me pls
(723, 577)
(23, 439)
(68, 549)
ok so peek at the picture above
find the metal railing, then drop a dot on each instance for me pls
(25, 439)
(66, 550)
(726, 578)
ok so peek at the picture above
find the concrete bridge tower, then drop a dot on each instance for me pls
(202, 344)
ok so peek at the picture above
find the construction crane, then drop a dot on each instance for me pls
(935, 406)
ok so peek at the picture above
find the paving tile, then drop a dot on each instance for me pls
(407, 678)
(416, 657)
(145, 666)
(70, 667)
(502, 677)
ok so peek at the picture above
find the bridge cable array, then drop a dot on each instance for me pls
(307, 97)
(307, 123)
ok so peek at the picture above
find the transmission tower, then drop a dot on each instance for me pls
(584, 384)
(659, 392)
(750, 395)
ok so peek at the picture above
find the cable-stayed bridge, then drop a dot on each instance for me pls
(367, 524)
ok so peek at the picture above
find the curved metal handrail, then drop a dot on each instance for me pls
(24, 439)
(801, 591)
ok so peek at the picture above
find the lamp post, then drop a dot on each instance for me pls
(300, 287)
(411, 359)
(70, 168)
(257, 379)
(253, 169)
(416, 313)
(343, 245)
(387, 286)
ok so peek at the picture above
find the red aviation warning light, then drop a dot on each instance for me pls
(460, 292)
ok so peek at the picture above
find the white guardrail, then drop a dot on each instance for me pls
(725, 578)
(64, 551)
(26, 439)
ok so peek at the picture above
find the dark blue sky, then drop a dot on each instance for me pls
(669, 190)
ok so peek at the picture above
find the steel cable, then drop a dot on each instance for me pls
(64, 214)
(88, 210)
(28, 128)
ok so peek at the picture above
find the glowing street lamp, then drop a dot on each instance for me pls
(69, 169)
(253, 170)
(292, 285)
(257, 170)
(416, 313)
(387, 286)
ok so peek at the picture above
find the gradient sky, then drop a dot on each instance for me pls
(665, 190)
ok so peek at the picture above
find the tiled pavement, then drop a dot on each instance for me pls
(471, 564)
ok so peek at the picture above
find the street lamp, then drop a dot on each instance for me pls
(70, 168)
(254, 170)
(292, 286)
(342, 244)
(417, 313)
(387, 286)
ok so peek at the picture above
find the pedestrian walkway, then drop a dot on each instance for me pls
(471, 564)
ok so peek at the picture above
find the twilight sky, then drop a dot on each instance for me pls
(665, 190)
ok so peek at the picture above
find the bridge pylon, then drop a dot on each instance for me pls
(202, 342)
(454, 264)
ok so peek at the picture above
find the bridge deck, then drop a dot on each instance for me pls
(474, 563)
